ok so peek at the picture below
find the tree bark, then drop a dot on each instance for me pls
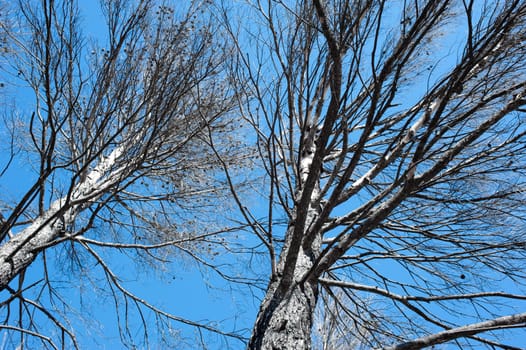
(285, 318)
(463, 331)
(20, 251)
(284, 321)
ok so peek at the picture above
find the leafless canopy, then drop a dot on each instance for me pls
(110, 141)
(393, 138)
(390, 135)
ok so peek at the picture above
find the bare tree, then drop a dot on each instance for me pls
(390, 135)
(115, 140)
(393, 139)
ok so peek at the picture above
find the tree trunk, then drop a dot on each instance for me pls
(285, 318)
(20, 251)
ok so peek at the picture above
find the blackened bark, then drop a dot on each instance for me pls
(286, 314)
(286, 321)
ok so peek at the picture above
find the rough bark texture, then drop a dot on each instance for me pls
(286, 321)
(285, 317)
(20, 251)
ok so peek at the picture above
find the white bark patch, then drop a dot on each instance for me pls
(97, 173)
(410, 134)
(21, 250)
(305, 164)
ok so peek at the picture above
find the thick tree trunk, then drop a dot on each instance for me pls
(286, 320)
(20, 251)
(285, 317)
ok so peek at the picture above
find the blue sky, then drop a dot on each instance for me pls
(185, 291)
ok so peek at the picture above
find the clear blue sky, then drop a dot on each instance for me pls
(186, 294)
(186, 291)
